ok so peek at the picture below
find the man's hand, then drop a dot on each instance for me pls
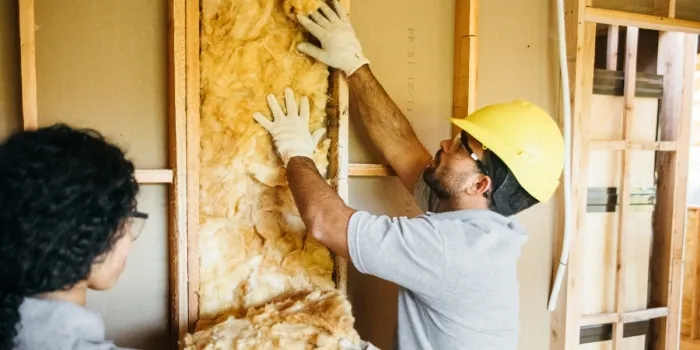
(290, 132)
(339, 46)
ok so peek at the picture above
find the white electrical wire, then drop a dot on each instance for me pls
(566, 97)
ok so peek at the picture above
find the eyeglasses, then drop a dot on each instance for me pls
(465, 142)
(137, 220)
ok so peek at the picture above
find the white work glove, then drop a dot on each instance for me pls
(290, 133)
(339, 46)
(346, 344)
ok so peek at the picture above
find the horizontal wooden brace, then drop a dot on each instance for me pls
(362, 170)
(619, 145)
(627, 317)
(154, 176)
(628, 19)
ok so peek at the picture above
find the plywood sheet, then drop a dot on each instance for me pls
(598, 240)
(10, 85)
(103, 64)
(631, 343)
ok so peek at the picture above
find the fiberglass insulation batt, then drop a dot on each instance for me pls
(252, 242)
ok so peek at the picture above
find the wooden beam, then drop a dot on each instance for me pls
(465, 59)
(613, 41)
(665, 8)
(580, 41)
(619, 145)
(193, 119)
(27, 35)
(177, 139)
(695, 311)
(627, 317)
(629, 19)
(338, 126)
(676, 63)
(624, 207)
(154, 176)
(360, 170)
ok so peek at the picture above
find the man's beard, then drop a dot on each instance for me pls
(434, 183)
(445, 186)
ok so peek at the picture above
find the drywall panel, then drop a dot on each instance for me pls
(518, 60)
(136, 309)
(627, 343)
(10, 85)
(411, 53)
(103, 64)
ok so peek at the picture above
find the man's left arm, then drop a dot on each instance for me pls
(325, 214)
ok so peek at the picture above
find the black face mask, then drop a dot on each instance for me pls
(507, 197)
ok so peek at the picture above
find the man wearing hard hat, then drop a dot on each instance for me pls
(457, 263)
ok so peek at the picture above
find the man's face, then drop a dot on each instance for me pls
(452, 172)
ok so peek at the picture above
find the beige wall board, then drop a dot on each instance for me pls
(374, 301)
(598, 250)
(632, 343)
(104, 65)
(517, 59)
(411, 53)
(606, 118)
(636, 6)
(136, 309)
(10, 84)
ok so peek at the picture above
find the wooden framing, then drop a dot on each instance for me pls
(465, 59)
(580, 48)
(628, 19)
(690, 325)
(192, 74)
(627, 116)
(27, 35)
(676, 62)
(177, 139)
(672, 161)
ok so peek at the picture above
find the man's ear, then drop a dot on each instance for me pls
(482, 184)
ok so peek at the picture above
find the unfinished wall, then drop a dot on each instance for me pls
(102, 64)
(517, 59)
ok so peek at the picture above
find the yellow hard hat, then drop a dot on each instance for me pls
(526, 138)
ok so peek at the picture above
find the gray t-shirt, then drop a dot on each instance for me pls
(56, 325)
(457, 270)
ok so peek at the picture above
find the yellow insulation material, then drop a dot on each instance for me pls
(301, 321)
(252, 241)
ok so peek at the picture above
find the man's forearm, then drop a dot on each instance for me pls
(325, 214)
(387, 127)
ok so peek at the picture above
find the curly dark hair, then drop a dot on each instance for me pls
(65, 195)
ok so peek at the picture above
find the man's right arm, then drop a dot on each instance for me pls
(388, 128)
